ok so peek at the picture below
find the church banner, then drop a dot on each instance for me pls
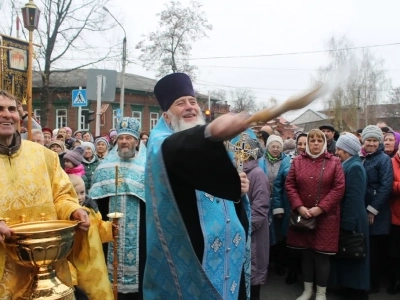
(14, 66)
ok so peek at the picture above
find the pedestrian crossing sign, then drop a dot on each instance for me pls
(79, 98)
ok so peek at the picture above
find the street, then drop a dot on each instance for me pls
(277, 289)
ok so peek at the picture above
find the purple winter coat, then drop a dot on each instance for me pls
(259, 193)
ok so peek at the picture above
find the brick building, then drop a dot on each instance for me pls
(139, 102)
(281, 127)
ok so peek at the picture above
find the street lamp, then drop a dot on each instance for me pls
(122, 94)
(30, 15)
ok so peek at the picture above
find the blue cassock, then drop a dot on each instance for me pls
(173, 270)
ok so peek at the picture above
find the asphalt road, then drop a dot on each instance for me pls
(277, 289)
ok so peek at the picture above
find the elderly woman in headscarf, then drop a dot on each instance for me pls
(378, 167)
(90, 163)
(258, 194)
(102, 146)
(315, 185)
(391, 143)
(352, 274)
(281, 208)
(273, 159)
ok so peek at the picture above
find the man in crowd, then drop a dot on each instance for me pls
(127, 198)
(329, 132)
(32, 184)
(197, 240)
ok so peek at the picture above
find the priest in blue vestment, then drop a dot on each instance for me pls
(127, 198)
(197, 213)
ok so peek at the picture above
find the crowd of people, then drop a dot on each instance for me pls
(196, 226)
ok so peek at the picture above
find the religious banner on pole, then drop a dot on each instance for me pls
(14, 66)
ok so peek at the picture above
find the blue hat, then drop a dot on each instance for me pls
(129, 126)
(172, 87)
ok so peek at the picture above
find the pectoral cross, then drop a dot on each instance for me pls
(242, 151)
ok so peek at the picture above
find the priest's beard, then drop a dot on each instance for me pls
(127, 154)
(179, 124)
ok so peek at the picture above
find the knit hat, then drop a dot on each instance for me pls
(113, 132)
(172, 87)
(130, 126)
(349, 142)
(102, 139)
(372, 131)
(67, 129)
(47, 130)
(75, 156)
(89, 145)
(274, 138)
(59, 143)
(289, 144)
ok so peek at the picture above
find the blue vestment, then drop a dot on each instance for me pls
(173, 271)
(127, 201)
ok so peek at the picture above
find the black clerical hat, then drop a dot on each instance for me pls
(172, 87)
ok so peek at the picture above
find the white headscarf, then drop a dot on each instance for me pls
(313, 132)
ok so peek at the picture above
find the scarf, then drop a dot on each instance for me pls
(271, 158)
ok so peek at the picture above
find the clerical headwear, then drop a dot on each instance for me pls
(172, 87)
(129, 126)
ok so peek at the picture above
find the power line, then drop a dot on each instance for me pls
(296, 53)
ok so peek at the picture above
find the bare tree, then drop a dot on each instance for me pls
(243, 100)
(168, 48)
(394, 95)
(271, 102)
(357, 80)
(218, 94)
(69, 28)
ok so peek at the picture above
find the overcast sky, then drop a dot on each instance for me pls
(251, 28)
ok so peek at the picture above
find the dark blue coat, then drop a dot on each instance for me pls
(353, 273)
(280, 202)
(379, 169)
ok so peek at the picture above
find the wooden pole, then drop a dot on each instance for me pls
(29, 84)
(115, 262)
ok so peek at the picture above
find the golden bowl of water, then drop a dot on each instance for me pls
(40, 245)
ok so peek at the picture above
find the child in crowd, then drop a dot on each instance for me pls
(94, 280)
(73, 162)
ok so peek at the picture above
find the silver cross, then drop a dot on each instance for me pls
(242, 151)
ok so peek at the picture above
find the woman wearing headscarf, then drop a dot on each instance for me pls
(90, 163)
(102, 146)
(281, 208)
(352, 274)
(259, 200)
(315, 186)
(273, 159)
(391, 143)
(378, 167)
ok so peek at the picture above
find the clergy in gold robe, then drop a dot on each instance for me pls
(33, 187)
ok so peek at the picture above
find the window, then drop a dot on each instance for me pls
(36, 114)
(115, 119)
(153, 120)
(83, 121)
(61, 118)
(138, 116)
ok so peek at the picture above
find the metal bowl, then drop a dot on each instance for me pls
(39, 244)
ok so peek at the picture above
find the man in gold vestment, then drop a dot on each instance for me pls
(33, 187)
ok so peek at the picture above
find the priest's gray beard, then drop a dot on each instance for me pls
(179, 124)
(127, 154)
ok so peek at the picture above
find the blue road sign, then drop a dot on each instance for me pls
(119, 115)
(79, 98)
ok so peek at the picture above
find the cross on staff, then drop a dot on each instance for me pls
(242, 151)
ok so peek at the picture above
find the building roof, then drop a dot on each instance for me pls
(77, 78)
(307, 114)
